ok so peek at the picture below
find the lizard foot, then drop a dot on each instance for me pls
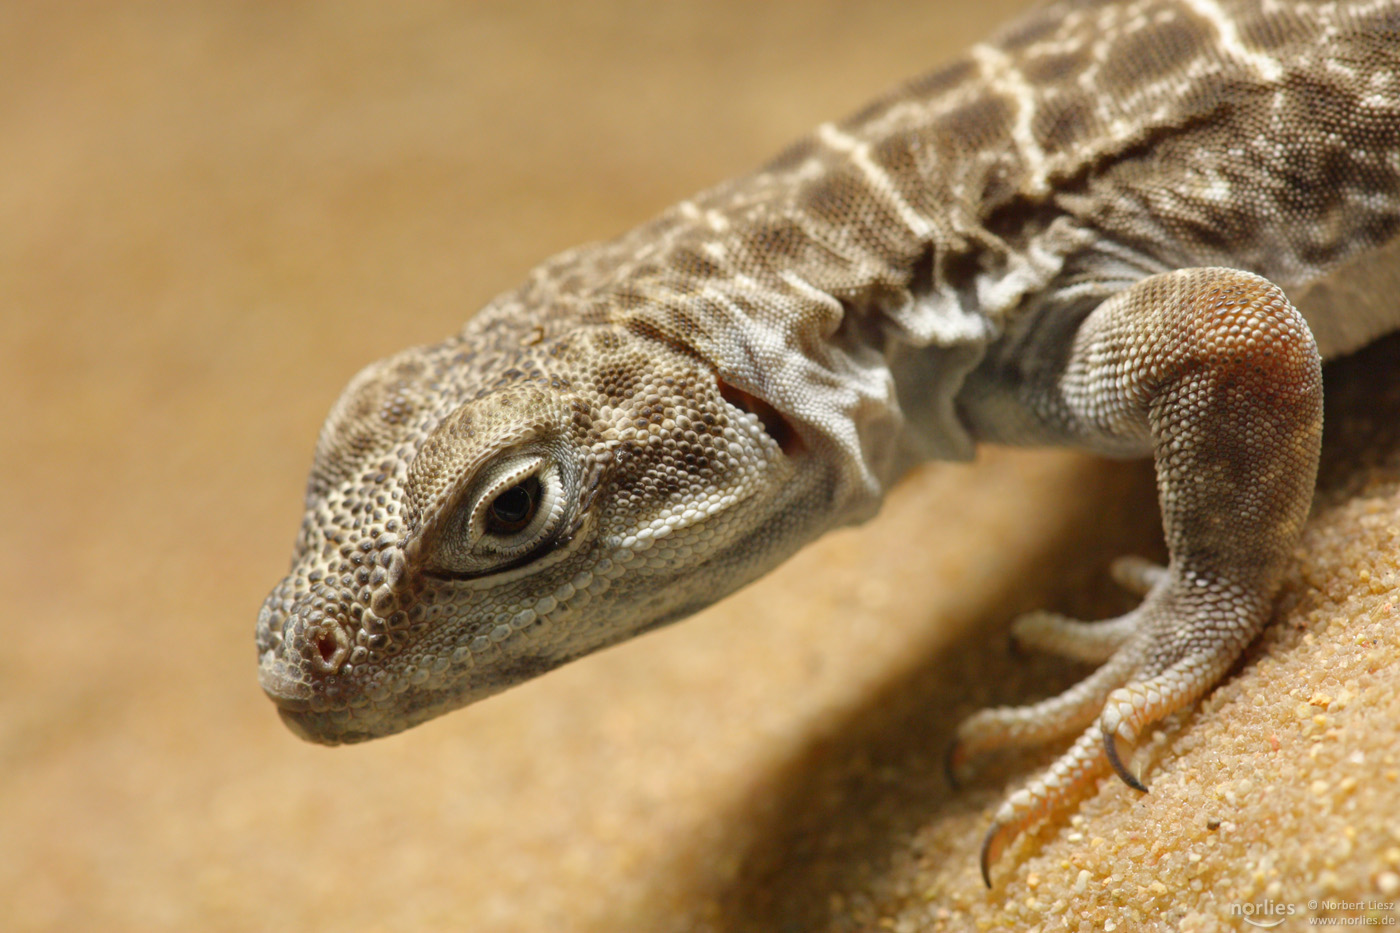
(1088, 642)
(1159, 658)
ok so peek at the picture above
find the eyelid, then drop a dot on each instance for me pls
(551, 552)
(530, 557)
(477, 525)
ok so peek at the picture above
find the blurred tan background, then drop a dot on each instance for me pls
(211, 215)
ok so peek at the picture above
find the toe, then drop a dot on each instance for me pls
(1090, 642)
(1138, 575)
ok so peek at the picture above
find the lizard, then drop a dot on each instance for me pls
(1134, 227)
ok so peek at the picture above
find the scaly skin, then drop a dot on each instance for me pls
(1131, 227)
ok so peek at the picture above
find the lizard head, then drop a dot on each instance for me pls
(475, 517)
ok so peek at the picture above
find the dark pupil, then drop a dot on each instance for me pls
(513, 508)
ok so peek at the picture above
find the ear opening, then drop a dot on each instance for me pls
(784, 434)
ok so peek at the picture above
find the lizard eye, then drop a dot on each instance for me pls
(512, 510)
(515, 513)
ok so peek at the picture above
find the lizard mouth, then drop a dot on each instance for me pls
(344, 725)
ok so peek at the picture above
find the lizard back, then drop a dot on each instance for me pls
(1001, 197)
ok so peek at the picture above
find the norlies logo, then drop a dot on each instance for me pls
(1265, 913)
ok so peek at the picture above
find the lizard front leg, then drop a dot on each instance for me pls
(1220, 374)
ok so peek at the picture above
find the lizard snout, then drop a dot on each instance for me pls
(282, 664)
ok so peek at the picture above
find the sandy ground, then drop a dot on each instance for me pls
(213, 214)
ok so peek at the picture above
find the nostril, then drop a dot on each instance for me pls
(331, 646)
(325, 646)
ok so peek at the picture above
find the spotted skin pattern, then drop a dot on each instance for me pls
(1131, 227)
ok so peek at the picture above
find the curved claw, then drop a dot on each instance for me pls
(1110, 748)
(992, 844)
